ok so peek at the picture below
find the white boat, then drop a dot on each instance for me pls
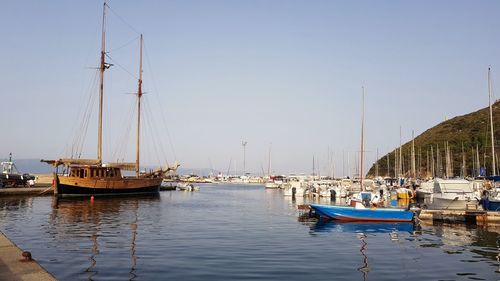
(11, 177)
(187, 187)
(425, 189)
(297, 188)
(272, 185)
(450, 194)
(275, 182)
(368, 184)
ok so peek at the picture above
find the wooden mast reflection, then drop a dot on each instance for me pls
(364, 268)
(93, 262)
(133, 227)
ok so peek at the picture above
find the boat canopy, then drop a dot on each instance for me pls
(122, 165)
(70, 161)
(452, 186)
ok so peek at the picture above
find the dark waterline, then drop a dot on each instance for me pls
(235, 232)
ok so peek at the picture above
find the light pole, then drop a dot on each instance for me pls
(244, 144)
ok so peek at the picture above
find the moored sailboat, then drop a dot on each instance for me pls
(92, 176)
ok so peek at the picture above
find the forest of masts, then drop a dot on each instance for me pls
(437, 162)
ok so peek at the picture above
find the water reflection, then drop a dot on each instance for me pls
(363, 227)
(133, 227)
(498, 255)
(236, 233)
(95, 251)
(15, 203)
(105, 221)
(362, 230)
(364, 268)
(458, 238)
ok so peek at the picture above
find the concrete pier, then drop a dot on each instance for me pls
(478, 217)
(14, 268)
(37, 191)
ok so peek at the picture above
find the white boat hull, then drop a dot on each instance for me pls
(448, 203)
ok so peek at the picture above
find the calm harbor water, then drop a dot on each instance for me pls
(235, 232)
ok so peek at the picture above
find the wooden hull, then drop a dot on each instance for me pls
(73, 186)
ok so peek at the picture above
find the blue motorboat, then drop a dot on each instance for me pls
(491, 199)
(348, 213)
(493, 205)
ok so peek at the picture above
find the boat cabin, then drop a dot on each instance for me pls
(7, 167)
(452, 186)
(94, 172)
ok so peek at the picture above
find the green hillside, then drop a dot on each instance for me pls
(470, 131)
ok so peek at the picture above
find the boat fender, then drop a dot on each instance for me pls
(333, 194)
(410, 194)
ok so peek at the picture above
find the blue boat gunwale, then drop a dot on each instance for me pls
(367, 209)
(348, 213)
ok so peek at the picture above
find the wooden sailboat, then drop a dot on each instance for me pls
(92, 176)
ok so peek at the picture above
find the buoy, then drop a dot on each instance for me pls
(92, 199)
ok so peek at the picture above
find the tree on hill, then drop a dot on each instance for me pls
(465, 140)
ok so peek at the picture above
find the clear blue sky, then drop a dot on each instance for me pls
(282, 72)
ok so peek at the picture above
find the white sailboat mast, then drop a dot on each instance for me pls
(269, 162)
(493, 172)
(413, 168)
(400, 162)
(362, 137)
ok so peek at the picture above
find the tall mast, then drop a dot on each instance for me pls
(433, 169)
(478, 161)
(448, 160)
(439, 168)
(427, 164)
(400, 162)
(396, 164)
(101, 84)
(314, 169)
(473, 173)
(139, 95)
(491, 126)
(269, 162)
(388, 166)
(419, 163)
(362, 137)
(463, 162)
(333, 165)
(348, 166)
(413, 168)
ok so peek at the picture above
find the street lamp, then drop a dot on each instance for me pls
(244, 144)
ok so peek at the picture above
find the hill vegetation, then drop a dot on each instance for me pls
(465, 136)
